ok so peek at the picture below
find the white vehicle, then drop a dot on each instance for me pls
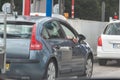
(109, 43)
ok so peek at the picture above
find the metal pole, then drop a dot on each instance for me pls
(119, 9)
(26, 7)
(72, 12)
(5, 30)
(34, 5)
(49, 8)
(59, 2)
(62, 7)
(103, 11)
(12, 6)
(37, 5)
(23, 6)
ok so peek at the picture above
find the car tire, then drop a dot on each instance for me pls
(88, 68)
(51, 71)
(102, 62)
(118, 61)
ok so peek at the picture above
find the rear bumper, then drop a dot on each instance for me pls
(14, 77)
(107, 54)
(24, 69)
(22, 61)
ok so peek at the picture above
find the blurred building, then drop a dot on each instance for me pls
(38, 6)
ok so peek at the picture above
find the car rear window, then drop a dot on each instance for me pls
(17, 29)
(112, 29)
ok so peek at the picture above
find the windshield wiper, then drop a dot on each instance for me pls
(8, 35)
(13, 35)
(16, 35)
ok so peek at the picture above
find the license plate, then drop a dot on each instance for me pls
(116, 46)
(7, 66)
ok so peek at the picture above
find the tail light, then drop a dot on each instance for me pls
(100, 41)
(35, 45)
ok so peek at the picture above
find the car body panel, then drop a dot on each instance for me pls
(106, 54)
(70, 57)
(111, 43)
(18, 48)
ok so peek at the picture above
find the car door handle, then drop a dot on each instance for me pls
(66, 48)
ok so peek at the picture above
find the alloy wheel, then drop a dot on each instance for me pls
(89, 68)
(51, 72)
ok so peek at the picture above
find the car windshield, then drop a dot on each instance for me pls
(17, 30)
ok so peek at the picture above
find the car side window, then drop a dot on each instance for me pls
(53, 30)
(69, 34)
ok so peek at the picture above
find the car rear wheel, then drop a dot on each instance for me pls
(89, 67)
(51, 71)
(102, 62)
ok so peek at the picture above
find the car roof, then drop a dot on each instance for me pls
(32, 19)
(115, 21)
(20, 18)
(44, 14)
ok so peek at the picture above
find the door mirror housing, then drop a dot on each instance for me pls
(81, 37)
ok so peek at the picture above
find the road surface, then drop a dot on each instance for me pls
(111, 70)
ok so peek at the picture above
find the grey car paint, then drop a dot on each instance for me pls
(31, 64)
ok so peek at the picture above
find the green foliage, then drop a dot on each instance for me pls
(112, 6)
(84, 9)
(2, 2)
(18, 5)
(91, 9)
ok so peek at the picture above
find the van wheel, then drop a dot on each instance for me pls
(102, 62)
(51, 71)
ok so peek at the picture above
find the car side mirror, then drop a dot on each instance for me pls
(81, 37)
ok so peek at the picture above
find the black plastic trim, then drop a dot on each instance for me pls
(22, 61)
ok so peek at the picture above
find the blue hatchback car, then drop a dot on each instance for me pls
(45, 48)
